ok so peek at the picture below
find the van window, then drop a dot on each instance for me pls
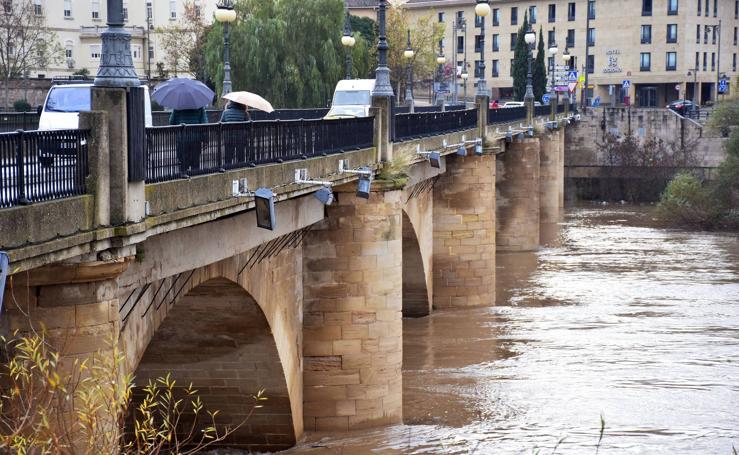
(68, 99)
(355, 97)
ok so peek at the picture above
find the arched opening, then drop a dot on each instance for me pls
(415, 291)
(217, 338)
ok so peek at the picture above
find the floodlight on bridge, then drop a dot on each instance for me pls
(478, 146)
(264, 200)
(552, 125)
(530, 131)
(433, 157)
(364, 186)
(325, 195)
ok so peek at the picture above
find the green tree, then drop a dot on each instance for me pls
(540, 69)
(520, 61)
(366, 27)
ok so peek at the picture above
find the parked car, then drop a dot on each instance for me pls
(682, 107)
(61, 111)
(513, 104)
(352, 98)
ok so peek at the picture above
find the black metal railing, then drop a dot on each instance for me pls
(42, 165)
(179, 151)
(506, 114)
(14, 121)
(560, 108)
(161, 118)
(540, 111)
(422, 124)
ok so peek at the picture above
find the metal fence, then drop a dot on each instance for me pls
(42, 165)
(409, 126)
(506, 114)
(435, 108)
(14, 121)
(179, 151)
(161, 118)
(540, 111)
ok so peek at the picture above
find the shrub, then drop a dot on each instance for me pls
(686, 202)
(22, 106)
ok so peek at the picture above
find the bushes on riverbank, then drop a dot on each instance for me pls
(689, 202)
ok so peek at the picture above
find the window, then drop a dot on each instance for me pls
(441, 17)
(460, 45)
(713, 61)
(733, 65)
(68, 50)
(172, 9)
(671, 61)
(571, 11)
(705, 35)
(37, 9)
(136, 51)
(672, 7)
(645, 61)
(591, 37)
(715, 8)
(705, 59)
(697, 61)
(672, 33)
(150, 12)
(95, 51)
(125, 11)
(512, 63)
(8, 8)
(496, 43)
(698, 34)
(532, 14)
(699, 7)
(735, 36)
(571, 38)
(550, 37)
(646, 7)
(713, 39)
(478, 43)
(550, 62)
(736, 9)
(708, 7)
(479, 20)
(96, 9)
(496, 17)
(646, 34)
(67, 8)
(591, 9)
(479, 70)
(514, 16)
(496, 67)
(151, 52)
(514, 38)
(591, 64)
(552, 12)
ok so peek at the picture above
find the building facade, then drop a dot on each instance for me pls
(78, 24)
(665, 49)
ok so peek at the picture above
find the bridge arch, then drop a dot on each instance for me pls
(417, 229)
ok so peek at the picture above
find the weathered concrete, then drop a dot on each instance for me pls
(549, 185)
(352, 325)
(464, 233)
(98, 159)
(518, 196)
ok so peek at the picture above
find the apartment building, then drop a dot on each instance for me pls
(78, 24)
(666, 49)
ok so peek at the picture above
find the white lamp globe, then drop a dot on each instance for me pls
(566, 56)
(441, 60)
(553, 50)
(347, 41)
(465, 75)
(225, 15)
(482, 9)
(409, 54)
(530, 37)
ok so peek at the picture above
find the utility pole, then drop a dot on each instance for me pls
(587, 54)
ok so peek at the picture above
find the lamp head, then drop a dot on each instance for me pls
(530, 37)
(465, 74)
(440, 59)
(409, 53)
(566, 56)
(347, 41)
(225, 15)
(482, 8)
(553, 49)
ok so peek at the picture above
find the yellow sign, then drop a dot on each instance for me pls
(581, 79)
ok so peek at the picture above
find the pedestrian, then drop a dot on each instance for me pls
(235, 143)
(494, 105)
(190, 144)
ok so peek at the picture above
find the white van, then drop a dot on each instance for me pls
(61, 110)
(352, 98)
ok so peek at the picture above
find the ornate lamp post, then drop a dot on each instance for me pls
(348, 41)
(528, 98)
(116, 65)
(440, 60)
(566, 58)
(482, 9)
(225, 14)
(408, 54)
(382, 73)
(465, 76)
(553, 100)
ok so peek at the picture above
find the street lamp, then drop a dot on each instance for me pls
(553, 100)
(383, 88)
(465, 76)
(348, 41)
(116, 65)
(566, 58)
(460, 24)
(440, 60)
(528, 98)
(225, 14)
(408, 54)
(482, 9)
(716, 29)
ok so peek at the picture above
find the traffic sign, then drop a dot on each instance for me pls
(723, 86)
(545, 98)
(572, 86)
(626, 84)
(572, 76)
(581, 79)
(677, 87)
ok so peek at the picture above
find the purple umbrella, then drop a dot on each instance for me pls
(181, 93)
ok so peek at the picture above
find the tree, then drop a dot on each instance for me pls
(25, 41)
(520, 61)
(540, 69)
(425, 34)
(366, 27)
(182, 41)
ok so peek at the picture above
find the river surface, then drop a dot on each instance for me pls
(616, 319)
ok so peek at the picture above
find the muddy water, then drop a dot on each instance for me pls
(617, 318)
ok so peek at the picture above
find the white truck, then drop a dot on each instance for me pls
(352, 98)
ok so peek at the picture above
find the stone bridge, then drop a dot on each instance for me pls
(180, 276)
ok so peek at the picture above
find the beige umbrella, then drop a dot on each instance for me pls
(250, 99)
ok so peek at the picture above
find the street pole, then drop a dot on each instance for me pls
(348, 42)
(408, 54)
(587, 54)
(528, 98)
(718, 61)
(383, 88)
(482, 9)
(455, 96)
(554, 96)
(225, 14)
(116, 65)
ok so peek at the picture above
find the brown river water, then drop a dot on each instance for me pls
(616, 318)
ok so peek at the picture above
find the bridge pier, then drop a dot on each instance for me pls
(550, 186)
(464, 233)
(518, 203)
(352, 327)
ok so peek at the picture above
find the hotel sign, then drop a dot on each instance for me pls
(613, 66)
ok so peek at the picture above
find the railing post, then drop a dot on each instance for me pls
(383, 117)
(483, 104)
(98, 156)
(20, 168)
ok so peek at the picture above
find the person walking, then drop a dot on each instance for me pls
(235, 143)
(190, 143)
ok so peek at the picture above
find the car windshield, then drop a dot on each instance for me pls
(68, 99)
(352, 97)
(340, 111)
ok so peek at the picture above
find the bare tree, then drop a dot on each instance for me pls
(181, 40)
(25, 41)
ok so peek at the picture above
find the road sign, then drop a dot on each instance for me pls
(581, 79)
(572, 86)
(677, 87)
(723, 86)
(545, 98)
(572, 76)
(626, 84)
(561, 88)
